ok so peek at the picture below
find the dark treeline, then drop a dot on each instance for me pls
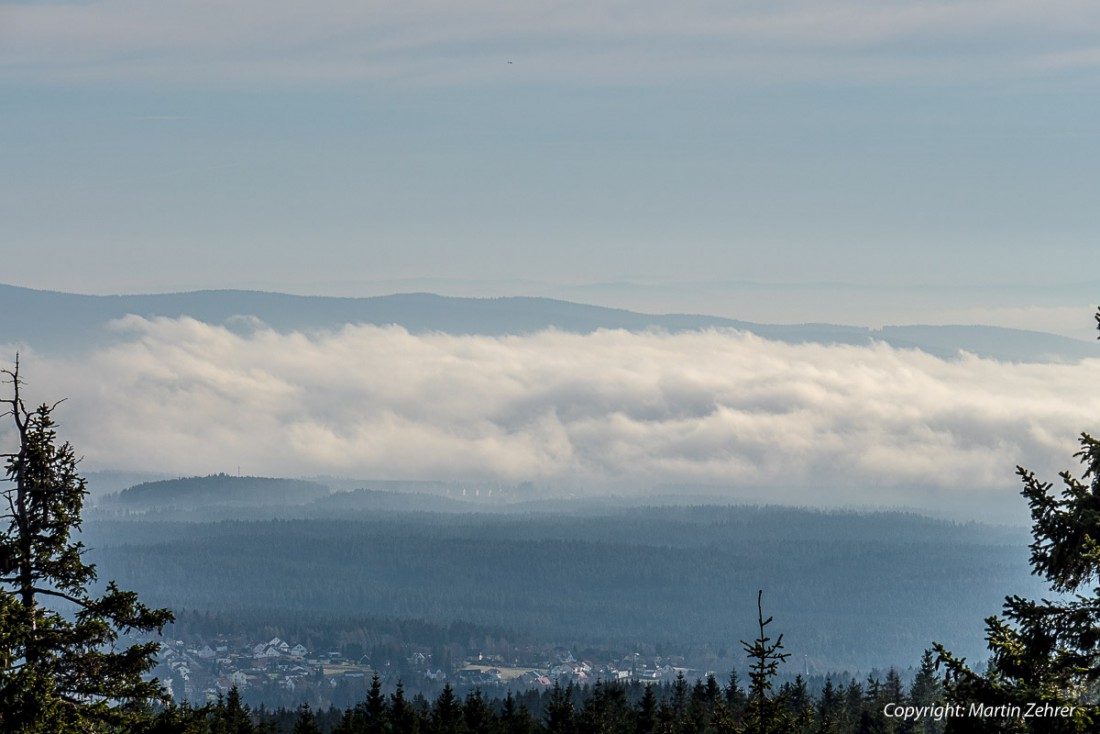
(680, 707)
(222, 489)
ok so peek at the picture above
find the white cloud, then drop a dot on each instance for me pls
(290, 41)
(722, 407)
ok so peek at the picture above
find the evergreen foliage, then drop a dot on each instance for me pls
(927, 690)
(764, 714)
(1046, 652)
(613, 707)
(230, 717)
(60, 670)
(306, 723)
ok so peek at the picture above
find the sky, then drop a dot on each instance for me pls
(791, 161)
(788, 161)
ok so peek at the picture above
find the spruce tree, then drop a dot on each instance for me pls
(60, 668)
(799, 703)
(735, 696)
(1046, 652)
(376, 710)
(679, 701)
(699, 709)
(478, 715)
(927, 690)
(306, 722)
(646, 714)
(229, 716)
(830, 709)
(403, 714)
(515, 718)
(447, 713)
(763, 714)
(713, 692)
(561, 716)
(853, 703)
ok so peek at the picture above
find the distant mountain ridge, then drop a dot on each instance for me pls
(215, 490)
(53, 321)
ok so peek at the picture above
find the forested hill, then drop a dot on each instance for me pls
(849, 590)
(54, 321)
(213, 491)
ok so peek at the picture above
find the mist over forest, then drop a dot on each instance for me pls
(536, 368)
(588, 400)
(555, 476)
(853, 591)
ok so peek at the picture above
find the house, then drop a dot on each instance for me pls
(561, 671)
(272, 648)
(268, 652)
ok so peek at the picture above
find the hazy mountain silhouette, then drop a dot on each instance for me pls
(60, 322)
(215, 490)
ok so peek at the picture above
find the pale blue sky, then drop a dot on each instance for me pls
(939, 159)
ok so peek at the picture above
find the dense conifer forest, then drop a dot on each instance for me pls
(855, 591)
(681, 707)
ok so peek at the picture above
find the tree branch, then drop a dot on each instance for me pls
(50, 592)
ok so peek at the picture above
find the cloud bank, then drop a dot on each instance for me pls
(713, 407)
(293, 42)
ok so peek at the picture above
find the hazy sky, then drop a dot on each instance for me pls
(782, 161)
(919, 161)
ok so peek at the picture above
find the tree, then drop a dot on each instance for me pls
(830, 709)
(560, 712)
(306, 722)
(762, 713)
(478, 715)
(927, 690)
(646, 714)
(59, 667)
(405, 718)
(230, 717)
(606, 710)
(376, 710)
(516, 719)
(1046, 652)
(735, 696)
(799, 703)
(447, 713)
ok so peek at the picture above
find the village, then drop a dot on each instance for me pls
(277, 672)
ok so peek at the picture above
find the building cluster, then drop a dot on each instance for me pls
(565, 669)
(561, 667)
(203, 672)
(277, 670)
